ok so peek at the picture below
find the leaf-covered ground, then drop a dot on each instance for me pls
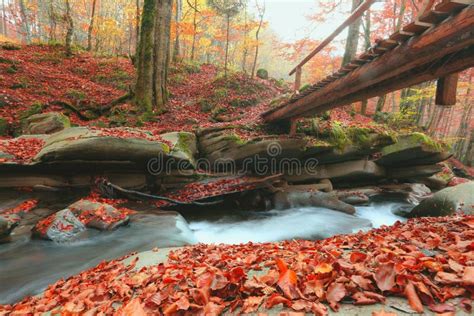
(428, 261)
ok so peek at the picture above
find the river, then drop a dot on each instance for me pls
(28, 266)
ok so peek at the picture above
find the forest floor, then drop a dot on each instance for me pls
(427, 260)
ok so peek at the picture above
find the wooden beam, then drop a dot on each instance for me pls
(298, 79)
(451, 36)
(450, 64)
(446, 89)
(353, 17)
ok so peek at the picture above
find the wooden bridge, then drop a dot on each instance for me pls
(438, 45)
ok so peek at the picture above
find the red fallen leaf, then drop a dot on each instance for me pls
(213, 309)
(413, 298)
(424, 293)
(323, 268)
(319, 309)
(466, 305)
(361, 299)
(302, 305)
(379, 298)
(455, 266)
(362, 282)
(219, 282)
(252, 303)
(200, 296)
(287, 281)
(133, 308)
(357, 256)
(468, 276)
(385, 276)
(447, 278)
(276, 299)
(442, 308)
(383, 313)
(236, 275)
(336, 292)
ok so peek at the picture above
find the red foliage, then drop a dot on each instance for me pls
(214, 278)
(22, 149)
(23, 207)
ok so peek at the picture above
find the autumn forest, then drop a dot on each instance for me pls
(221, 157)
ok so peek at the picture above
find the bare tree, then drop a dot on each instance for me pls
(69, 29)
(228, 9)
(91, 26)
(261, 14)
(177, 19)
(25, 21)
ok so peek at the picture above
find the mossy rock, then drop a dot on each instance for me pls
(83, 144)
(10, 46)
(448, 201)
(262, 74)
(46, 123)
(414, 149)
(183, 145)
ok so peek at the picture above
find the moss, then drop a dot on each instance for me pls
(243, 102)
(235, 138)
(13, 69)
(10, 46)
(4, 60)
(338, 136)
(262, 73)
(35, 108)
(304, 88)
(183, 143)
(427, 141)
(4, 126)
(76, 95)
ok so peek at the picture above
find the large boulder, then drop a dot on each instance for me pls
(62, 226)
(46, 123)
(117, 145)
(413, 149)
(447, 201)
(100, 216)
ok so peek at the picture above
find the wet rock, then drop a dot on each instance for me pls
(46, 123)
(359, 170)
(100, 216)
(412, 193)
(413, 149)
(295, 198)
(62, 226)
(448, 201)
(7, 223)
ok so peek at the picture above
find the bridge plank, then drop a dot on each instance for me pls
(391, 69)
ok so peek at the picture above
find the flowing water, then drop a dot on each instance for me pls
(28, 266)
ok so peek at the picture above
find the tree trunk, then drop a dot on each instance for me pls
(257, 39)
(137, 26)
(91, 27)
(352, 37)
(162, 53)
(153, 55)
(25, 22)
(4, 16)
(245, 48)
(193, 46)
(227, 44)
(70, 29)
(177, 19)
(52, 22)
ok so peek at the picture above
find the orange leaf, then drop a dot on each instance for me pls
(385, 276)
(413, 298)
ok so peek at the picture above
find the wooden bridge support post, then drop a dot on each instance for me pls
(293, 127)
(298, 79)
(446, 89)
